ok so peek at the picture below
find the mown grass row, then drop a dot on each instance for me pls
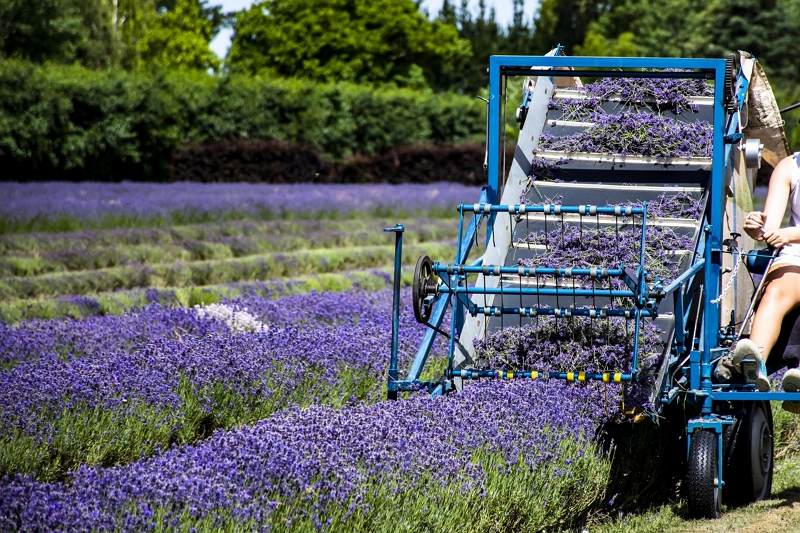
(118, 302)
(199, 273)
(63, 222)
(38, 253)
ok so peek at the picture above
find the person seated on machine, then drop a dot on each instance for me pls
(781, 294)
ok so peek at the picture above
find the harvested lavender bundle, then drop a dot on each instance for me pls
(663, 93)
(656, 94)
(577, 109)
(678, 205)
(567, 245)
(636, 133)
(567, 344)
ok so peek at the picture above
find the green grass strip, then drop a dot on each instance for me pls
(199, 273)
(34, 254)
(118, 302)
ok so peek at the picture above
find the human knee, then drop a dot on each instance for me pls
(778, 297)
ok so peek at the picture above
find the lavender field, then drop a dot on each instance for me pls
(213, 357)
(228, 370)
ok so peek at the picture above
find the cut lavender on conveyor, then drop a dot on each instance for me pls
(655, 94)
(638, 133)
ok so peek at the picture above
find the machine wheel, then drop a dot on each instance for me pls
(421, 289)
(751, 463)
(702, 489)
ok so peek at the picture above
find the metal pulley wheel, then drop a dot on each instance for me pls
(423, 286)
(753, 148)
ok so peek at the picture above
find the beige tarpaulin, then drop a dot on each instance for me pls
(763, 118)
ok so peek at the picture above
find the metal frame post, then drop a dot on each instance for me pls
(391, 385)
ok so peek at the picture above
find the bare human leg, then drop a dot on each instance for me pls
(781, 295)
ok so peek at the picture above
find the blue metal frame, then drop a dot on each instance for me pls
(695, 355)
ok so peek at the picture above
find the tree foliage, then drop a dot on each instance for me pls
(353, 40)
(111, 33)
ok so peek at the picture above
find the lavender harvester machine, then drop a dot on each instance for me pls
(699, 313)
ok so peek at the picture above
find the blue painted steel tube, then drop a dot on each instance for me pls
(641, 292)
(732, 396)
(591, 312)
(496, 270)
(391, 385)
(691, 271)
(551, 209)
(713, 256)
(544, 291)
(441, 303)
(577, 375)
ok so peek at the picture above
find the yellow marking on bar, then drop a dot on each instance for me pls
(510, 375)
(606, 377)
(617, 377)
(570, 376)
(534, 374)
(581, 376)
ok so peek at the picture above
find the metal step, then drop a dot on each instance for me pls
(631, 169)
(614, 105)
(605, 193)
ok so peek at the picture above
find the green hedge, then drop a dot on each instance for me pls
(68, 122)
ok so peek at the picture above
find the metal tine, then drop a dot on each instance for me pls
(538, 305)
(502, 302)
(485, 304)
(520, 299)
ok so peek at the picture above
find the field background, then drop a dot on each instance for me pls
(194, 280)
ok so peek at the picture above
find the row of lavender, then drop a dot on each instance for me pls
(177, 374)
(112, 378)
(59, 206)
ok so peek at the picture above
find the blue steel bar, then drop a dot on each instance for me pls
(496, 270)
(755, 396)
(641, 292)
(391, 387)
(579, 376)
(677, 282)
(439, 308)
(544, 291)
(713, 255)
(550, 209)
(591, 312)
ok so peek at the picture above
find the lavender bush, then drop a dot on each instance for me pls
(508, 444)
(142, 381)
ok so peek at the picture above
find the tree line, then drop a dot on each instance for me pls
(115, 79)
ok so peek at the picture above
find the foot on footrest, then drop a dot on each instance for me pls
(791, 383)
(747, 355)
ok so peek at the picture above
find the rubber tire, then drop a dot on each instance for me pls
(422, 273)
(752, 462)
(703, 494)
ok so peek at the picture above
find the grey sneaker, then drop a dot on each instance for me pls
(747, 355)
(791, 383)
(726, 370)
